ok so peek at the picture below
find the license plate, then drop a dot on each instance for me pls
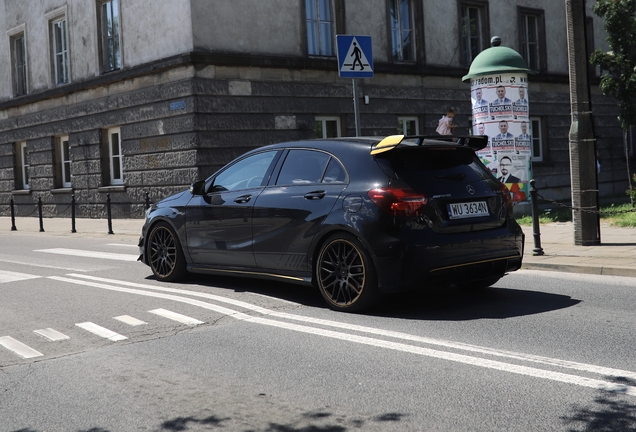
(468, 209)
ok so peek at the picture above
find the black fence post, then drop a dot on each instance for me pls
(13, 228)
(73, 213)
(535, 220)
(40, 214)
(147, 201)
(110, 222)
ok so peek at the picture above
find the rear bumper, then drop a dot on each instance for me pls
(444, 261)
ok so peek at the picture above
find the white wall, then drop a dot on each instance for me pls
(247, 26)
(155, 29)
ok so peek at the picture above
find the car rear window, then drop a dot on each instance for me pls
(424, 163)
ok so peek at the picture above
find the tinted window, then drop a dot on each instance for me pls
(335, 172)
(246, 173)
(431, 164)
(303, 167)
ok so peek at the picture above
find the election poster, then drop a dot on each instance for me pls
(500, 111)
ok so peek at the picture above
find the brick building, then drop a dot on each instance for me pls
(128, 98)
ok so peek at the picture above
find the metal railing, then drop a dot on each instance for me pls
(109, 206)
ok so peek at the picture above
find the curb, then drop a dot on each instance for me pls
(583, 269)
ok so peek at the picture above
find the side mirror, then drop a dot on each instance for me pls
(198, 188)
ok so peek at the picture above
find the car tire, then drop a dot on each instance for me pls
(345, 274)
(165, 256)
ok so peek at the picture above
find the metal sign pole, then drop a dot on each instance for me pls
(356, 106)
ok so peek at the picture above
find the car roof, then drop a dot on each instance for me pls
(333, 145)
(375, 145)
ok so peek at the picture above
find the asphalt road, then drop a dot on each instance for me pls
(90, 342)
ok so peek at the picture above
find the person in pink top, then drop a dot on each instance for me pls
(446, 126)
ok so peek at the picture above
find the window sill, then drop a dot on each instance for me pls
(111, 189)
(21, 192)
(61, 191)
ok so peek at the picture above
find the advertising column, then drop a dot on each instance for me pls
(500, 110)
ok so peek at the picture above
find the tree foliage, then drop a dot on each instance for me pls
(618, 66)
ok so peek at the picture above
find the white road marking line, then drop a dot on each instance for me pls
(7, 276)
(238, 303)
(220, 309)
(274, 298)
(51, 334)
(90, 254)
(130, 320)
(460, 358)
(387, 333)
(183, 319)
(19, 348)
(101, 331)
(123, 245)
(43, 266)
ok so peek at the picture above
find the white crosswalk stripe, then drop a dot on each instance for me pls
(101, 331)
(130, 320)
(8, 276)
(183, 319)
(19, 348)
(90, 254)
(51, 334)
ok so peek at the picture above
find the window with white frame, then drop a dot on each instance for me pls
(59, 47)
(22, 166)
(401, 18)
(327, 127)
(472, 31)
(115, 157)
(537, 139)
(532, 37)
(408, 126)
(63, 158)
(109, 37)
(320, 27)
(19, 64)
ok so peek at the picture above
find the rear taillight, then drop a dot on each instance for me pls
(507, 198)
(399, 202)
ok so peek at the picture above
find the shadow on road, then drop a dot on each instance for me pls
(307, 422)
(611, 412)
(457, 304)
(431, 303)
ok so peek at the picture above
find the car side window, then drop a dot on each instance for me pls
(335, 172)
(244, 174)
(303, 167)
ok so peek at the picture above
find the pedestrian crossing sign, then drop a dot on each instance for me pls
(355, 56)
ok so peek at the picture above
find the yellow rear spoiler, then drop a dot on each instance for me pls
(475, 142)
(388, 143)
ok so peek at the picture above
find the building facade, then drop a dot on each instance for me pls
(127, 100)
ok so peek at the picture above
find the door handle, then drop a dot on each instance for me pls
(315, 195)
(243, 199)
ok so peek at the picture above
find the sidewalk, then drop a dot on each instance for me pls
(616, 255)
(128, 228)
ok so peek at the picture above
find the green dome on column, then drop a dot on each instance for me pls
(497, 59)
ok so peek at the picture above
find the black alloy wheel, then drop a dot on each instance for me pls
(165, 256)
(345, 274)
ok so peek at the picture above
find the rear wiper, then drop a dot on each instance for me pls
(458, 177)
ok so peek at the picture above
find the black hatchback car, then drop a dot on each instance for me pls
(356, 217)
